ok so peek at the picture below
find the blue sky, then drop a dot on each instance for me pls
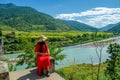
(97, 13)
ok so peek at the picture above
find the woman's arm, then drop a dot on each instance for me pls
(48, 52)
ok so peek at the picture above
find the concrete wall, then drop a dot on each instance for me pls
(4, 72)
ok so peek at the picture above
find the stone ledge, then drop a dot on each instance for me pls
(4, 73)
(3, 67)
(31, 74)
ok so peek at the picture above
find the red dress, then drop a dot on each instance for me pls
(43, 61)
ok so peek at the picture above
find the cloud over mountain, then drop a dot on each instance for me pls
(98, 17)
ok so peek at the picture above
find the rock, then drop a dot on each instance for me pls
(4, 72)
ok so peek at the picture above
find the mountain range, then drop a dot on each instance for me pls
(116, 28)
(74, 25)
(25, 18)
(111, 28)
(107, 27)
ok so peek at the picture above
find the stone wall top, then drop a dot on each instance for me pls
(3, 67)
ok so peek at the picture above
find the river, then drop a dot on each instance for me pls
(76, 55)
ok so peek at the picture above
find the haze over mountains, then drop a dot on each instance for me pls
(28, 19)
(74, 25)
(116, 28)
(106, 28)
(111, 28)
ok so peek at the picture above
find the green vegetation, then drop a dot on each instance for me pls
(116, 28)
(29, 57)
(15, 41)
(56, 53)
(24, 18)
(113, 63)
(0, 32)
(110, 70)
(27, 19)
(74, 25)
(11, 67)
(21, 28)
(82, 72)
(20, 41)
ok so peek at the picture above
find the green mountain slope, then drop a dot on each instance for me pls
(116, 28)
(105, 28)
(78, 26)
(27, 18)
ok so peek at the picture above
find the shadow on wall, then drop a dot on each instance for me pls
(33, 73)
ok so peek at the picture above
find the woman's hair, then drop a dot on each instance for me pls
(41, 45)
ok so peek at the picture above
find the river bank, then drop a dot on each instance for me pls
(82, 53)
(85, 45)
(105, 41)
(75, 54)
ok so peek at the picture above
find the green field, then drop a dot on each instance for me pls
(83, 72)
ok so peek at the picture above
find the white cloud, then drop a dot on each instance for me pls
(98, 17)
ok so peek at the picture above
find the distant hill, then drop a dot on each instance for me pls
(74, 25)
(105, 28)
(28, 19)
(116, 28)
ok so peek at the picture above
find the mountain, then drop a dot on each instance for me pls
(74, 25)
(105, 28)
(28, 19)
(9, 5)
(116, 28)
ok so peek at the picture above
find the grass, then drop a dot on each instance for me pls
(82, 72)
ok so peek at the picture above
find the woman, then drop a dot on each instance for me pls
(42, 57)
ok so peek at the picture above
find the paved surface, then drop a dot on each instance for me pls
(30, 74)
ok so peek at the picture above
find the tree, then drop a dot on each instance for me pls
(113, 63)
(29, 56)
(10, 35)
(56, 53)
(0, 32)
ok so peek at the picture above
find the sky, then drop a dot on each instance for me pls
(97, 13)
